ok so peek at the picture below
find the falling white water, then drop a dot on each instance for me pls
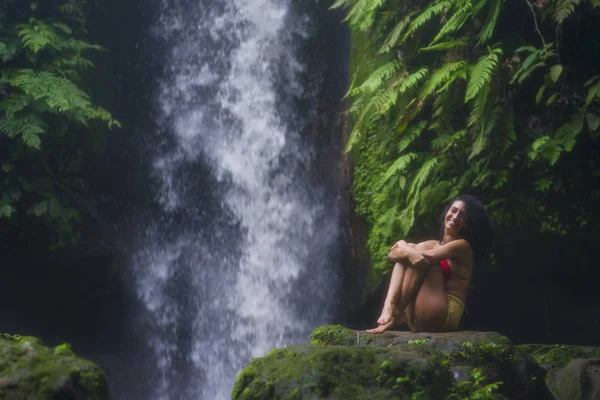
(235, 262)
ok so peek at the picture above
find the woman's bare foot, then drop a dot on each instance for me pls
(383, 328)
(388, 314)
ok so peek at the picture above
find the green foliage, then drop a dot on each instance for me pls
(474, 388)
(44, 111)
(63, 350)
(439, 106)
(334, 335)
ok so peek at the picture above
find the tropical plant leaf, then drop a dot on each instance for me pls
(490, 23)
(481, 74)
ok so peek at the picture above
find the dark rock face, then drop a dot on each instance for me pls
(31, 371)
(573, 372)
(345, 364)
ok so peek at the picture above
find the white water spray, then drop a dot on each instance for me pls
(223, 285)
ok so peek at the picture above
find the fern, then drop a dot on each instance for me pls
(399, 165)
(384, 100)
(455, 22)
(481, 75)
(490, 23)
(426, 16)
(59, 93)
(394, 36)
(340, 3)
(439, 77)
(421, 176)
(479, 108)
(443, 46)
(373, 82)
(37, 35)
(413, 133)
(412, 80)
(563, 9)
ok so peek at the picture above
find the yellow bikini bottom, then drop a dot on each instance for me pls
(456, 308)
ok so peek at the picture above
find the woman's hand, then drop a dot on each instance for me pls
(403, 251)
(416, 258)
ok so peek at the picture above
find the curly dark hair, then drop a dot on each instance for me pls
(477, 226)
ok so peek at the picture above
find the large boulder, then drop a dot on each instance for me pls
(31, 371)
(573, 372)
(344, 364)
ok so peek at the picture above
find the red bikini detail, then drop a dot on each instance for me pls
(446, 269)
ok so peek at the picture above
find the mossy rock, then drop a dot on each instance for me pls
(30, 371)
(573, 371)
(341, 372)
(551, 356)
(345, 364)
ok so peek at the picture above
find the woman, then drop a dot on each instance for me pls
(430, 280)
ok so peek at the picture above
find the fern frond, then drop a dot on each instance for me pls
(409, 137)
(439, 77)
(373, 81)
(399, 165)
(28, 127)
(563, 9)
(509, 137)
(340, 3)
(394, 36)
(481, 75)
(440, 142)
(454, 139)
(478, 111)
(412, 80)
(362, 13)
(421, 176)
(455, 22)
(384, 99)
(356, 133)
(71, 8)
(37, 35)
(425, 17)
(58, 92)
(490, 22)
(443, 46)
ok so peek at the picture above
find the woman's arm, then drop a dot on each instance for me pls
(408, 252)
(429, 253)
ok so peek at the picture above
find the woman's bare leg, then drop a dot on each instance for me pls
(391, 315)
(401, 299)
(431, 304)
(394, 294)
(411, 283)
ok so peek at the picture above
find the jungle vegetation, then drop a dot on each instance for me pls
(496, 98)
(45, 115)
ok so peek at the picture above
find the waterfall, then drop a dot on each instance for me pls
(235, 258)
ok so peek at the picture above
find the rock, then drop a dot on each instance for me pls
(31, 371)
(573, 371)
(345, 364)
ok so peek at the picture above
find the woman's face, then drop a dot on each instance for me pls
(454, 221)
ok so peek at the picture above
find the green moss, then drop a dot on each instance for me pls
(418, 341)
(21, 339)
(63, 350)
(553, 356)
(342, 372)
(332, 335)
(32, 371)
(497, 355)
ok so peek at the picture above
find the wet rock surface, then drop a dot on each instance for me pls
(345, 364)
(32, 371)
